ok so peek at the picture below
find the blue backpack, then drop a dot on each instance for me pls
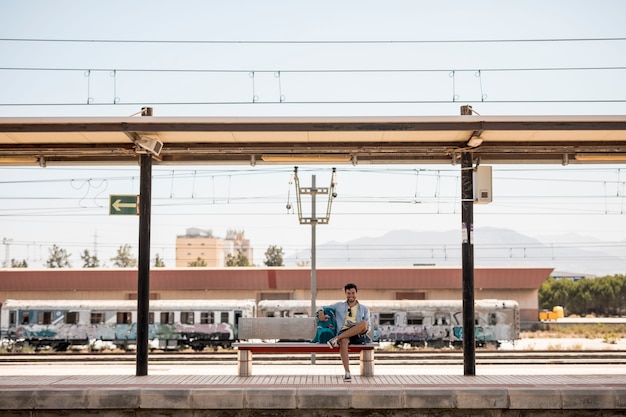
(326, 330)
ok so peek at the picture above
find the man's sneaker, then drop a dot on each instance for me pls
(347, 377)
(332, 343)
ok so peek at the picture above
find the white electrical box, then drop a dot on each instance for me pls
(482, 185)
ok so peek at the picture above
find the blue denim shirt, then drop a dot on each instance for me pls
(341, 311)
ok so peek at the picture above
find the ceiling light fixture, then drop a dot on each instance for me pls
(601, 156)
(475, 141)
(18, 160)
(151, 145)
(310, 158)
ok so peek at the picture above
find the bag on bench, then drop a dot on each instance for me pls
(326, 330)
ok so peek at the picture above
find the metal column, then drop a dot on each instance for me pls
(313, 248)
(143, 275)
(313, 254)
(314, 221)
(467, 253)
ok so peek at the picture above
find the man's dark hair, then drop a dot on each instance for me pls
(350, 286)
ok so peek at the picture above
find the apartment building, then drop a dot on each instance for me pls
(199, 247)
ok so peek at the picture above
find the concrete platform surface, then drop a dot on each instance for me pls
(302, 390)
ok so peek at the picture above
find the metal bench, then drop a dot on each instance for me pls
(294, 335)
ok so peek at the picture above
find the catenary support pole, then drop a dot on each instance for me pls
(143, 275)
(314, 221)
(467, 253)
(313, 254)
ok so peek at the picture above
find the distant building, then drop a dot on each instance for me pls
(199, 244)
(573, 276)
(238, 243)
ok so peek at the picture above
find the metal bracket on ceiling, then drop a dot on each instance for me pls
(477, 163)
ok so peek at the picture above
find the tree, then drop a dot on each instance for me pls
(620, 293)
(581, 299)
(601, 296)
(19, 264)
(89, 261)
(124, 259)
(273, 256)
(58, 258)
(158, 262)
(239, 260)
(197, 263)
(604, 294)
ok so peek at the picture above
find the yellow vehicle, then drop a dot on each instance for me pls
(556, 313)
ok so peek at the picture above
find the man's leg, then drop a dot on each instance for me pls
(344, 340)
(357, 329)
(343, 352)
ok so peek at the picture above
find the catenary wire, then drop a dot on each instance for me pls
(313, 41)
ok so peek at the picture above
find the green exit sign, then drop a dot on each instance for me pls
(124, 204)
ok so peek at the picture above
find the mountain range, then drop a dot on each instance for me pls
(568, 254)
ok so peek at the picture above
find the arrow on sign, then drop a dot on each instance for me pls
(118, 205)
(124, 204)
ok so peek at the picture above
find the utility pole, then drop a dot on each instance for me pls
(7, 250)
(313, 191)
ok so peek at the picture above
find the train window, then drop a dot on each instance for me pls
(186, 317)
(441, 320)
(124, 317)
(150, 318)
(492, 319)
(167, 317)
(12, 318)
(97, 318)
(414, 320)
(71, 317)
(387, 318)
(44, 317)
(224, 317)
(25, 317)
(207, 317)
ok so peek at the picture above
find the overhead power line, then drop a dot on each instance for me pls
(315, 71)
(280, 97)
(313, 41)
(325, 102)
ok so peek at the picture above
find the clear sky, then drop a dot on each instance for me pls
(323, 58)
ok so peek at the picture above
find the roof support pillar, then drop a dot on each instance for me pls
(143, 274)
(467, 254)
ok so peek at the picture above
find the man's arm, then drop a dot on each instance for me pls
(366, 317)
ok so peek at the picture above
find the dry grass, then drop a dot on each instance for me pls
(609, 332)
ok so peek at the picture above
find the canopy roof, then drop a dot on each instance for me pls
(297, 140)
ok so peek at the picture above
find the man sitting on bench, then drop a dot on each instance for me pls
(353, 321)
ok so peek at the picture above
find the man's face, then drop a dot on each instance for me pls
(351, 295)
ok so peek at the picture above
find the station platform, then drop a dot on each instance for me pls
(304, 390)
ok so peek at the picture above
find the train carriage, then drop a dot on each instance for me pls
(173, 324)
(198, 324)
(435, 323)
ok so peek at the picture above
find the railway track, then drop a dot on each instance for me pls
(382, 357)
